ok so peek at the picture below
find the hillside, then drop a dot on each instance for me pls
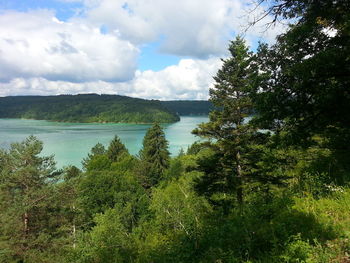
(189, 107)
(86, 108)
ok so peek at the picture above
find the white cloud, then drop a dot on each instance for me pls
(190, 79)
(40, 55)
(37, 45)
(197, 28)
(41, 86)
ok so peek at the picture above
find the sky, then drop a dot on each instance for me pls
(152, 49)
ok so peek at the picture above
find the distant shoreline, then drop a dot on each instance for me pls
(136, 123)
(93, 108)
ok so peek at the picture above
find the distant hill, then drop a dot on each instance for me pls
(189, 107)
(86, 108)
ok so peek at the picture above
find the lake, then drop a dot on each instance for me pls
(71, 142)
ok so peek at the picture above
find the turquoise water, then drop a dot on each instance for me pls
(71, 142)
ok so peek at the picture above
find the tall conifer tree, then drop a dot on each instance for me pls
(226, 125)
(116, 149)
(27, 202)
(154, 154)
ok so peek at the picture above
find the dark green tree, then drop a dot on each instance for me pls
(101, 190)
(71, 172)
(95, 151)
(30, 219)
(116, 149)
(154, 155)
(98, 149)
(227, 125)
(309, 93)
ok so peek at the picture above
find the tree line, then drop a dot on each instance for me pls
(269, 182)
(99, 108)
(86, 108)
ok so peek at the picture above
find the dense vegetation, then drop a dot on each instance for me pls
(274, 188)
(86, 108)
(99, 108)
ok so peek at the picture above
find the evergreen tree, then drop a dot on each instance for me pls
(116, 149)
(29, 219)
(70, 172)
(98, 149)
(233, 136)
(154, 155)
(95, 151)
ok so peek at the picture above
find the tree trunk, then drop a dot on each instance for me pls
(26, 223)
(25, 230)
(239, 190)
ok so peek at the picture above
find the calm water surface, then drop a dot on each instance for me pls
(70, 142)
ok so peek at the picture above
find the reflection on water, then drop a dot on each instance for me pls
(70, 142)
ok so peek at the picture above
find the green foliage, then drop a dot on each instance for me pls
(287, 229)
(107, 242)
(97, 150)
(177, 207)
(309, 94)
(71, 172)
(101, 190)
(30, 225)
(127, 163)
(175, 169)
(297, 251)
(313, 65)
(154, 155)
(116, 149)
(86, 108)
(154, 208)
(174, 230)
(98, 163)
(197, 146)
(226, 170)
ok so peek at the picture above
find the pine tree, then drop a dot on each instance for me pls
(95, 151)
(98, 149)
(154, 155)
(227, 126)
(116, 149)
(29, 215)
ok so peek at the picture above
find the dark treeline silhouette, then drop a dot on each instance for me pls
(99, 108)
(86, 108)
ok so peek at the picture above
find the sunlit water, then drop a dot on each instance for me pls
(71, 142)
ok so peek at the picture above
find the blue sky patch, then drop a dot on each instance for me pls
(63, 10)
(152, 59)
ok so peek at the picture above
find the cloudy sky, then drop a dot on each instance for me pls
(155, 49)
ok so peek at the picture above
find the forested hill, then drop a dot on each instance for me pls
(86, 108)
(189, 107)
